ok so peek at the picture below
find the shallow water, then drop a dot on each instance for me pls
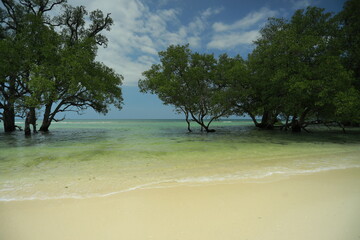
(85, 158)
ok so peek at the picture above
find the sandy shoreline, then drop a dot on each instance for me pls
(319, 206)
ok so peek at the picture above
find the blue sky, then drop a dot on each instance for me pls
(144, 27)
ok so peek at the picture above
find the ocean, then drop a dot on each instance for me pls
(95, 158)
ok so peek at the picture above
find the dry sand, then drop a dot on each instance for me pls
(320, 206)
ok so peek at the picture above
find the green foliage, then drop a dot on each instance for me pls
(347, 106)
(50, 61)
(350, 37)
(305, 69)
(189, 82)
(296, 69)
(295, 73)
(234, 76)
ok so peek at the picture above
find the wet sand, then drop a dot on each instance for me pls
(319, 206)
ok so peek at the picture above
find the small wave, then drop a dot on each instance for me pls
(77, 196)
(7, 189)
(234, 177)
(184, 181)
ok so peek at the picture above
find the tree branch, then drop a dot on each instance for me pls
(59, 120)
(53, 5)
(99, 27)
(10, 10)
(28, 4)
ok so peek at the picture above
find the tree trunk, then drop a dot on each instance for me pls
(203, 126)
(33, 118)
(187, 120)
(45, 126)
(287, 123)
(253, 118)
(46, 119)
(200, 121)
(206, 127)
(9, 118)
(264, 119)
(267, 120)
(27, 124)
(303, 116)
(210, 130)
(9, 107)
(295, 124)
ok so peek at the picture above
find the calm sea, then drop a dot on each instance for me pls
(89, 158)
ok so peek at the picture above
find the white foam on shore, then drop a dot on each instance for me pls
(260, 176)
(191, 181)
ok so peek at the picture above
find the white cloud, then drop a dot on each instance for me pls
(194, 41)
(131, 68)
(298, 4)
(139, 33)
(147, 60)
(199, 24)
(162, 3)
(247, 22)
(241, 32)
(233, 39)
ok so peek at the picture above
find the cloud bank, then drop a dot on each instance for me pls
(140, 32)
(243, 31)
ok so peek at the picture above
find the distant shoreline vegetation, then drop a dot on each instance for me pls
(303, 71)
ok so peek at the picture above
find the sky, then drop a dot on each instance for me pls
(142, 28)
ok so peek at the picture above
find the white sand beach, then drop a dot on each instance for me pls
(319, 206)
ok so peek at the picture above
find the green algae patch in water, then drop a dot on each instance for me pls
(86, 158)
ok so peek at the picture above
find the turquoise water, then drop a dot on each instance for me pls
(87, 158)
